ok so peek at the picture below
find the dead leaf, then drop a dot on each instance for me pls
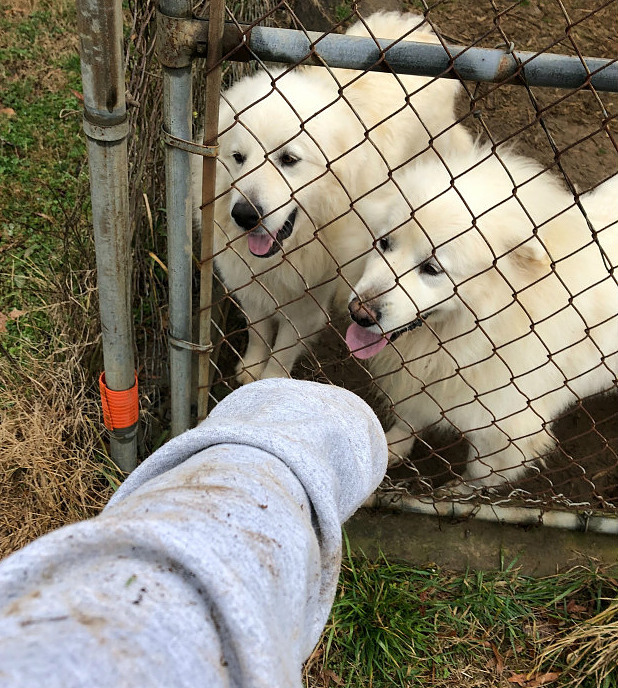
(77, 94)
(575, 609)
(13, 315)
(329, 676)
(498, 658)
(534, 680)
(7, 112)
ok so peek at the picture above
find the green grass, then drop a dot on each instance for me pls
(343, 11)
(43, 172)
(396, 625)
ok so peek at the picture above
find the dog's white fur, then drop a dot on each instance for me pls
(519, 320)
(289, 142)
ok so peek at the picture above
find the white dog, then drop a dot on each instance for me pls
(501, 306)
(295, 156)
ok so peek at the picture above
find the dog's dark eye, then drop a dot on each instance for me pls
(384, 243)
(288, 160)
(239, 158)
(430, 268)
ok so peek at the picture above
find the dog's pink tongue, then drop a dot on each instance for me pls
(363, 343)
(260, 244)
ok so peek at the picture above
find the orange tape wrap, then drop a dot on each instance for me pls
(120, 409)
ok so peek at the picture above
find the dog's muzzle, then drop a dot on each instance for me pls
(411, 326)
(269, 245)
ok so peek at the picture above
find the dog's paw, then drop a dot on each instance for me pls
(395, 459)
(246, 375)
(400, 442)
(244, 378)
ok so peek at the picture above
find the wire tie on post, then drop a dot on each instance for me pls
(191, 346)
(189, 146)
(120, 408)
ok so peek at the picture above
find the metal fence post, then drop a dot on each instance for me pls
(106, 128)
(177, 113)
(211, 126)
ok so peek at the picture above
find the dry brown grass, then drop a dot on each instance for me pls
(590, 649)
(53, 467)
(53, 463)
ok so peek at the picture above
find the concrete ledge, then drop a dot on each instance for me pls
(458, 545)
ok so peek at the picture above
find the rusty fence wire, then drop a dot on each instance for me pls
(443, 247)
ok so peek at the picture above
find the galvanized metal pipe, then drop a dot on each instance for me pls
(428, 59)
(106, 128)
(177, 117)
(211, 128)
(291, 46)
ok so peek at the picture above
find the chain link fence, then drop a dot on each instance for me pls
(444, 248)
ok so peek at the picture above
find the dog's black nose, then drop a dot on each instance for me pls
(363, 314)
(247, 215)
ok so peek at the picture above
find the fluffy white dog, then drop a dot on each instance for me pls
(499, 301)
(297, 149)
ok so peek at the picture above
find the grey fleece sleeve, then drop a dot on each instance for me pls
(215, 563)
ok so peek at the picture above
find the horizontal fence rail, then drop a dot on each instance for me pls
(187, 39)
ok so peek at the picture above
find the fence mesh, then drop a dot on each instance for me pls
(461, 237)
